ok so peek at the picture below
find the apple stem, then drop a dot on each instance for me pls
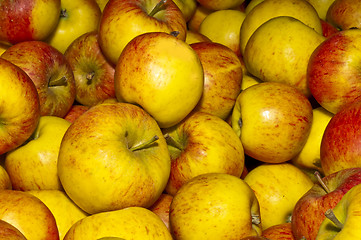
(158, 7)
(172, 142)
(58, 82)
(144, 144)
(89, 77)
(256, 219)
(331, 215)
(175, 33)
(319, 179)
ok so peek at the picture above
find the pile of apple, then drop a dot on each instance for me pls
(183, 119)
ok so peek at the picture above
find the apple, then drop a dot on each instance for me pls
(309, 157)
(254, 238)
(187, 7)
(202, 143)
(277, 187)
(3, 47)
(19, 104)
(282, 231)
(251, 4)
(162, 206)
(321, 7)
(122, 20)
(328, 29)
(249, 80)
(333, 70)
(93, 74)
(9, 232)
(197, 18)
(279, 51)
(75, 111)
(23, 20)
(165, 77)
(344, 14)
(195, 37)
(65, 212)
(223, 26)
(33, 165)
(5, 182)
(219, 4)
(113, 156)
(101, 4)
(223, 74)
(72, 22)
(268, 9)
(273, 121)
(28, 214)
(215, 206)
(344, 152)
(127, 223)
(343, 222)
(309, 211)
(50, 72)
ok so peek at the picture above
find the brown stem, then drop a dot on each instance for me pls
(158, 7)
(64, 13)
(89, 77)
(144, 144)
(331, 215)
(173, 142)
(320, 181)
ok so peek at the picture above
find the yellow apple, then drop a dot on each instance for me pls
(344, 221)
(76, 18)
(195, 37)
(279, 51)
(309, 157)
(187, 7)
(65, 211)
(268, 9)
(223, 26)
(162, 206)
(273, 121)
(101, 4)
(5, 182)
(33, 165)
(220, 4)
(277, 188)
(249, 80)
(165, 77)
(198, 17)
(223, 74)
(10, 232)
(321, 7)
(3, 48)
(215, 206)
(127, 223)
(113, 156)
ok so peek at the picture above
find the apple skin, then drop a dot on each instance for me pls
(202, 209)
(347, 211)
(122, 20)
(321, 7)
(273, 121)
(75, 111)
(98, 154)
(282, 231)
(126, 223)
(33, 165)
(345, 152)
(65, 211)
(309, 211)
(333, 70)
(5, 182)
(93, 74)
(28, 214)
(50, 72)
(220, 4)
(162, 74)
(23, 20)
(344, 14)
(223, 75)
(196, 37)
(71, 22)
(162, 207)
(9, 232)
(20, 106)
(328, 29)
(205, 143)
